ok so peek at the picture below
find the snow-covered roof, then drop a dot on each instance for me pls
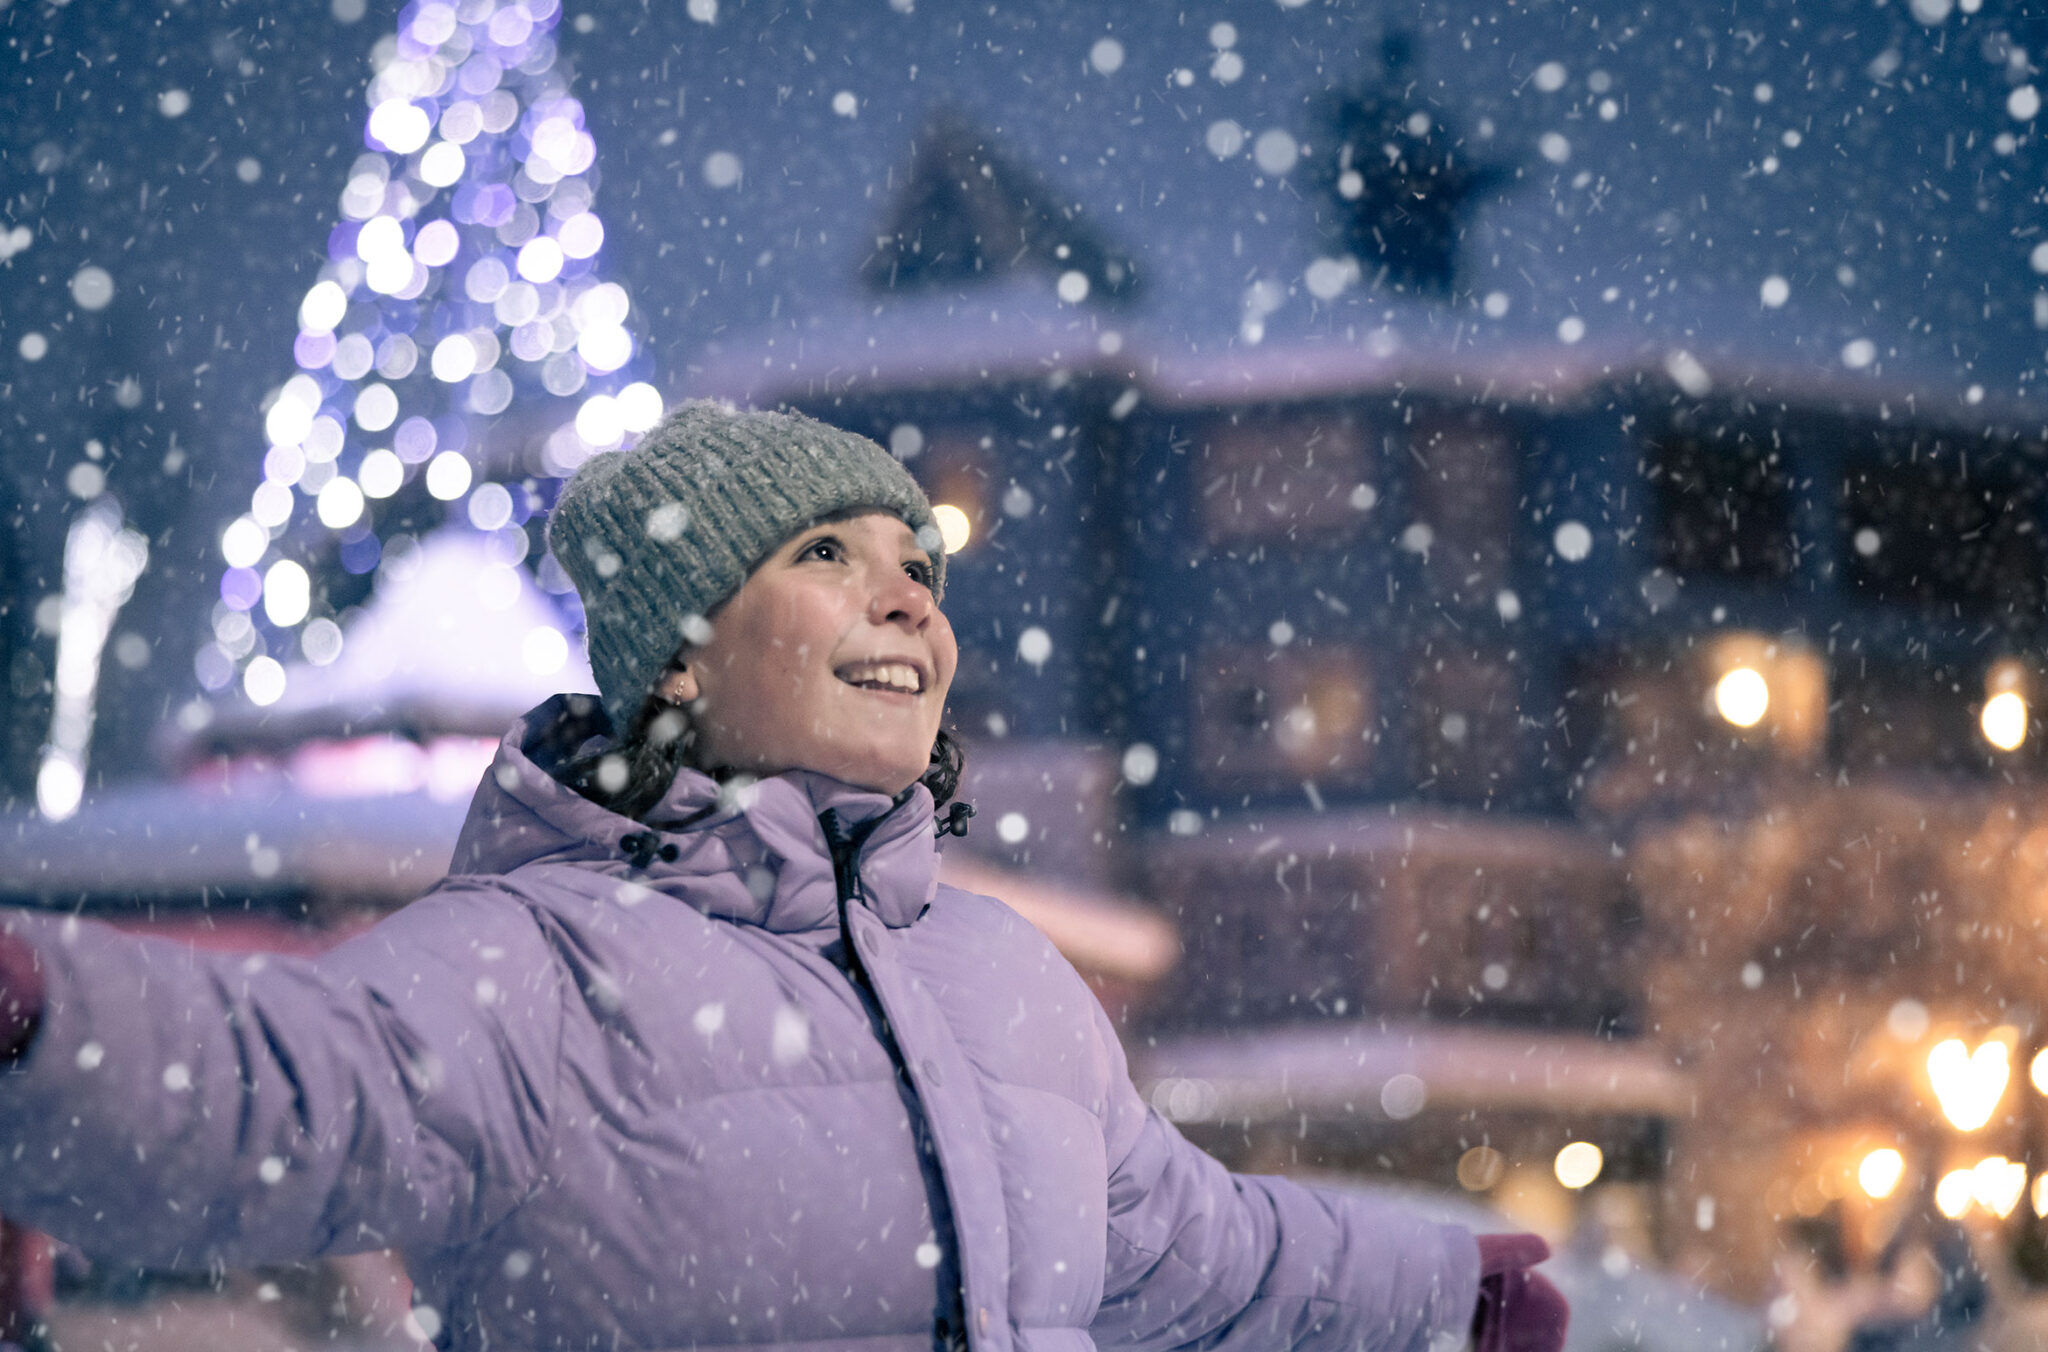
(1850, 200)
(1340, 1068)
(251, 835)
(453, 639)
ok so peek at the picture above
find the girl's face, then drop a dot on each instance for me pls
(832, 657)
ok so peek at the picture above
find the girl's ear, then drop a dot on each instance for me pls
(678, 685)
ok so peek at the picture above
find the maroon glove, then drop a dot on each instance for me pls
(21, 997)
(1519, 1310)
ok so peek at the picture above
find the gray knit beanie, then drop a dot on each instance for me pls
(658, 535)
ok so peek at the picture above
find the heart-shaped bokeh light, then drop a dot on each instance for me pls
(1968, 1083)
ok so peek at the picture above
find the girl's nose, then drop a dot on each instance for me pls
(902, 599)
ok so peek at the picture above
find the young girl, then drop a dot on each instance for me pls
(691, 1049)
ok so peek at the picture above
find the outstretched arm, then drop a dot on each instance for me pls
(1228, 1262)
(179, 1108)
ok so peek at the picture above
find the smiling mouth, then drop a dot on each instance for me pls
(901, 678)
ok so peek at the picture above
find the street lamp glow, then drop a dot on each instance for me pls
(954, 528)
(2004, 720)
(1578, 1164)
(59, 788)
(1968, 1084)
(2040, 1195)
(1880, 1171)
(1742, 696)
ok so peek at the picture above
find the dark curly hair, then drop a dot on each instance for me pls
(629, 774)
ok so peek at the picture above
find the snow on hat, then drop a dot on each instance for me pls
(659, 535)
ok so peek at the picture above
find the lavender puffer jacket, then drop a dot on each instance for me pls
(641, 1096)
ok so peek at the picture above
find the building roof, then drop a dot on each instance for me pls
(1650, 177)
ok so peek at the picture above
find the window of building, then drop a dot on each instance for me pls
(1274, 476)
(1926, 526)
(1725, 504)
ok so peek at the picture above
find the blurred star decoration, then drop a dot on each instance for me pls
(461, 279)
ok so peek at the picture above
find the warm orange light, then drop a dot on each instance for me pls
(1996, 1184)
(1968, 1084)
(1953, 1194)
(1578, 1164)
(955, 530)
(2004, 720)
(1742, 696)
(1880, 1171)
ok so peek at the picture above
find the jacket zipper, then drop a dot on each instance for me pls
(949, 1325)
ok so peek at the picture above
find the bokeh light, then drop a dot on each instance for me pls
(321, 642)
(243, 543)
(490, 506)
(271, 504)
(287, 593)
(2004, 720)
(639, 406)
(454, 358)
(581, 235)
(544, 650)
(59, 788)
(605, 348)
(1879, 1172)
(340, 503)
(1480, 1168)
(1579, 1164)
(443, 164)
(448, 476)
(599, 422)
(376, 408)
(1953, 1194)
(1968, 1084)
(540, 260)
(323, 307)
(1742, 696)
(263, 681)
(954, 527)
(1997, 1183)
(437, 243)
(381, 474)
(400, 125)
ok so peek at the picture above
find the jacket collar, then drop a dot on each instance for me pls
(756, 855)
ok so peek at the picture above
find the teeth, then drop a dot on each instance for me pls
(891, 675)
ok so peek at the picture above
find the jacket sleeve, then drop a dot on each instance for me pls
(180, 1108)
(1199, 1256)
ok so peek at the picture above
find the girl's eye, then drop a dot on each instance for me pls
(920, 571)
(825, 548)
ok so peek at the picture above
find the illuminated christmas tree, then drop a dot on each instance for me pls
(459, 354)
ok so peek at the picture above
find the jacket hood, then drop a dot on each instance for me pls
(756, 854)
